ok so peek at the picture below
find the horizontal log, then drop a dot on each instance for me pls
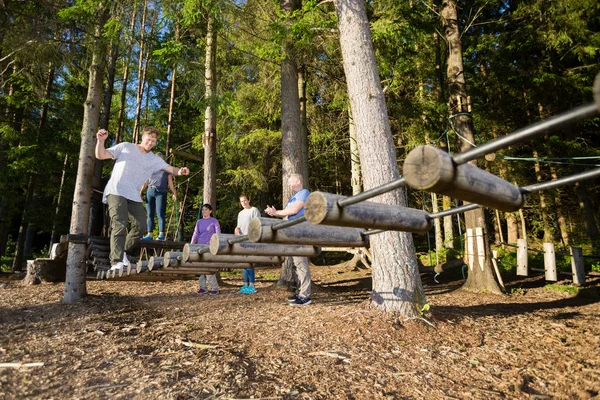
(433, 170)
(155, 262)
(170, 257)
(158, 244)
(260, 230)
(219, 244)
(200, 264)
(190, 271)
(141, 266)
(191, 252)
(322, 208)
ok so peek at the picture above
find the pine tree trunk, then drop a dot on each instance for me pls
(560, 212)
(303, 123)
(396, 281)
(354, 157)
(123, 104)
(75, 288)
(479, 278)
(210, 117)
(172, 98)
(548, 236)
(512, 229)
(588, 218)
(293, 161)
(140, 78)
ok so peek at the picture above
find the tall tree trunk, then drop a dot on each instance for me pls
(512, 229)
(480, 278)
(55, 236)
(294, 158)
(140, 74)
(303, 124)
(437, 224)
(448, 230)
(75, 288)
(396, 281)
(354, 157)
(548, 236)
(210, 117)
(172, 98)
(588, 217)
(123, 104)
(560, 212)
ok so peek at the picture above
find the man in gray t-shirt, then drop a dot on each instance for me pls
(134, 164)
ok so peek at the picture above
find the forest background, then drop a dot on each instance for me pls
(523, 61)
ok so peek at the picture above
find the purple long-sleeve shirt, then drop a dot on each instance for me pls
(205, 228)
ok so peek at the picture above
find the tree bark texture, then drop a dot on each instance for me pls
(210, 116)
(479, 279)
(396, 282)
(75, 288)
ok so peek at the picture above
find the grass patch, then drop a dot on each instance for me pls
(556, 287)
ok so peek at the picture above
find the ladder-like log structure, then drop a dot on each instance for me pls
(220, 244)
(262, 230)
(323, 208)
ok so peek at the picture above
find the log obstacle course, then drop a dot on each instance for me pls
(336, 221)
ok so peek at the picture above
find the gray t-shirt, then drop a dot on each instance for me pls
(244, 218)
(132, 169)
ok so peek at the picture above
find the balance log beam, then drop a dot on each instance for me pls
(229, 258)
(219, 244)
(260, 230)
(204, 265)
(322, 208)
(433, 170)
(191, 252)
(155, 262)
(172, 257)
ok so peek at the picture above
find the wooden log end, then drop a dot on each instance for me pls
(428, 168)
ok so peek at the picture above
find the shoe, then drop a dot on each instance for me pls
(250, 290)
(126, 260)
(202, 291)
(243, 289)
(301, 301)
(117, 266)
(147, 237)
(293, 298)
(160, 237)
(213, 292)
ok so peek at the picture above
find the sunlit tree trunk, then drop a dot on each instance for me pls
(172, 98)
(123, 104)
(354, 157)
(210, 117)
(480, 278)
(140, 75)
(396, 281)
(294, 158)
(75, 288)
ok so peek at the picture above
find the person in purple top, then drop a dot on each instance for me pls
(205, 228)
(134, 164)
(294, 209)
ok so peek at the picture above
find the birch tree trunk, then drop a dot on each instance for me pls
(75, 288)
(480, 278)
(210, 117)
(396, 282)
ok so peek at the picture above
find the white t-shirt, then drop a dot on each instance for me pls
(244, 218)
(131, 170)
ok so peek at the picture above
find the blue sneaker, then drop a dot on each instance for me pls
(160, 237)
(147, 237)
(243, 289)
(250, 290)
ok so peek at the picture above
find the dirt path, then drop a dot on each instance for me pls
(133, 340)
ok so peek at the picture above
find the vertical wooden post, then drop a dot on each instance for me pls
(480, 246)
(522, 259)
(577, 266)
(495, 264)
(550, 262)
(470, 248)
